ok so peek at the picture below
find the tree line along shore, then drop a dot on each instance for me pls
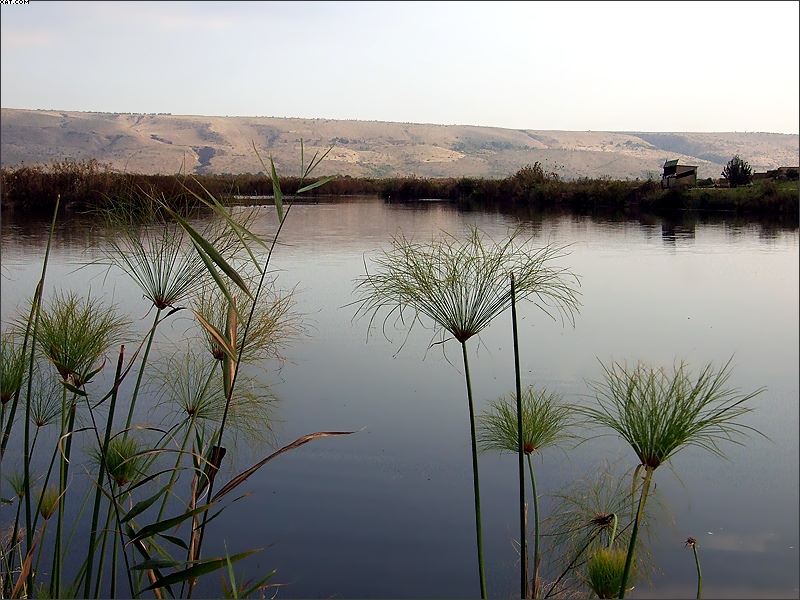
(88, 184)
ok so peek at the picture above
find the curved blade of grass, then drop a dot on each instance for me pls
(158, 527)
(139, 545)
(174, 540)
(25, 570)
(143, 505)
(316, 184)
(215, 456)
(241, 232)
(229, 366)
(257, 585)
(199, 569)
(241, 477)
(157, 563)
(75, 390)
(276, 190)
(315, 160)
(207, 251)
(216, 276)
(218, 336)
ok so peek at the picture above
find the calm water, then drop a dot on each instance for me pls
(387, 512)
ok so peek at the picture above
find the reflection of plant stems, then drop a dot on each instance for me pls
(475, 482)
(523, 538)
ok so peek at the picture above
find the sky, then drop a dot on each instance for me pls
(573, 66)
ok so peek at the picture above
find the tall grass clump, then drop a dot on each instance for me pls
(74, 335)
(148, 519)
(588, 528)
(461, 285)
(13, 366)
(660, 411)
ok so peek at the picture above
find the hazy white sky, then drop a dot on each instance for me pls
(603, 66)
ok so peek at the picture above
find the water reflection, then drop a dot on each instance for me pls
(387, 512)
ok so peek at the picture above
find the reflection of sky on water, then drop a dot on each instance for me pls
(387, 511)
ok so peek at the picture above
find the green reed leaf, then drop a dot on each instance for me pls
(276, 190)
(316, 184)
(218, 336)
(157, 563)
(239, 479)
(143, 505)
(154, 528)
(208, 251)
(174, 540)
(199, 569)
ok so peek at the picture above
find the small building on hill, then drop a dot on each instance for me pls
(676, 175)
(779, 174)
(785, 173)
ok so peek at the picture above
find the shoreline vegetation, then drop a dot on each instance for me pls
(84, 185)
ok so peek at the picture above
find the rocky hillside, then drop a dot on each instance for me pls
(164, 143)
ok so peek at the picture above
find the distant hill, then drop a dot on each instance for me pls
(167, 144)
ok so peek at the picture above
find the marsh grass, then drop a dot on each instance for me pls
(461, 284)
(155, 521)
(604, 571)
(152, 240)
(75, 333)
(271, 324)
(12, 368)
(659, 412)
(589, 514)
(122, 460)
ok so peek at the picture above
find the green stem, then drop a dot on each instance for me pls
(101, 475)
(613, 530)
(10, 561)
(648, 477)
(475, 481)
(235, 374)
(35, 311)
(572, 563)
(55, 584)
(699, 572)
(184, 443)
(141, 372)
(536, 534)
(103, 543)
(13, 410)
(523, 538)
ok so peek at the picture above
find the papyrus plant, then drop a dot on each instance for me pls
(660, 411)
(545, 422)
(461, 283)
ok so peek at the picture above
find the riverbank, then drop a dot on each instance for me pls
(86, 185)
